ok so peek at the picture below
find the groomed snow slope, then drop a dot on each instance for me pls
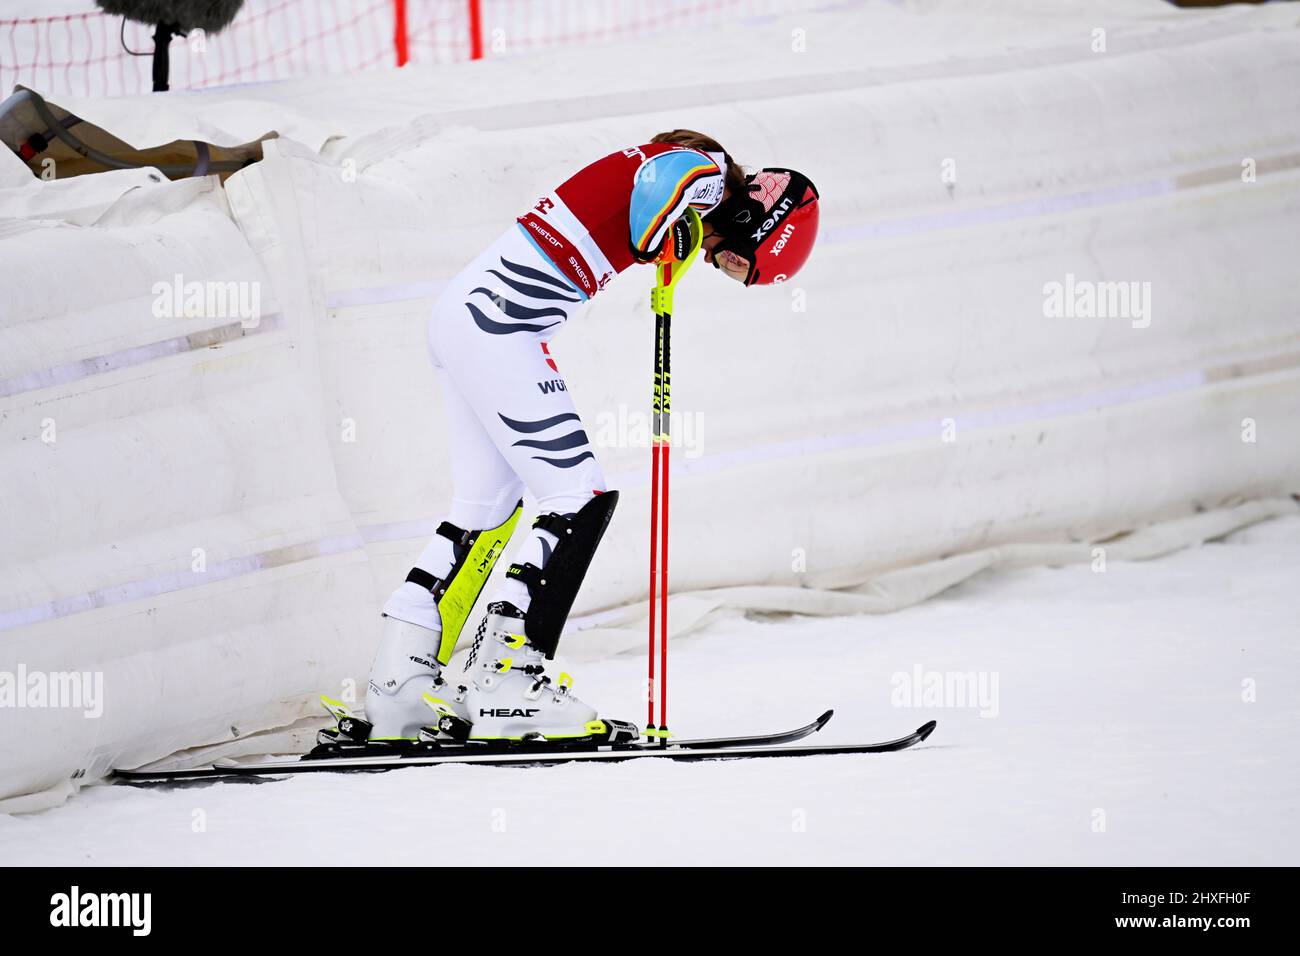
(1117, 692)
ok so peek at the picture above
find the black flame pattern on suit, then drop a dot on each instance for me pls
(517, 311)
(536, 275)
(548, 292)
(527, 428)
(536, 291)
(501, 328)
(574, 439)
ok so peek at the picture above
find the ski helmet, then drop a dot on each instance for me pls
(772, 226)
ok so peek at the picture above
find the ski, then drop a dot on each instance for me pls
(537, 754)
(781, 737)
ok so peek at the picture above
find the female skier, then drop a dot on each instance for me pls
(513, 426)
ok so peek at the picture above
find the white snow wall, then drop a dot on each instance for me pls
(209, 515)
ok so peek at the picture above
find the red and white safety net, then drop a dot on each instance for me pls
(87, 53)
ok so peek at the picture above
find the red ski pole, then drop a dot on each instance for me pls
(666, 441)
(667, 275)
(651, 728)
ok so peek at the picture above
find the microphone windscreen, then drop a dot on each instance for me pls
(210, 16)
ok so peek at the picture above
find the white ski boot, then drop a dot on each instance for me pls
(511, 698)
(407, 691)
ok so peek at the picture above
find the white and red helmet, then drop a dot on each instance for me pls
(773, 226)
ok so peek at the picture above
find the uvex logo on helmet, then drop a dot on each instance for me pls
(770, 222)
(784, 204)
(789, 241)
(786, 234)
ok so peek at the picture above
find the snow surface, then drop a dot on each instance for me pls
(1119, 692)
